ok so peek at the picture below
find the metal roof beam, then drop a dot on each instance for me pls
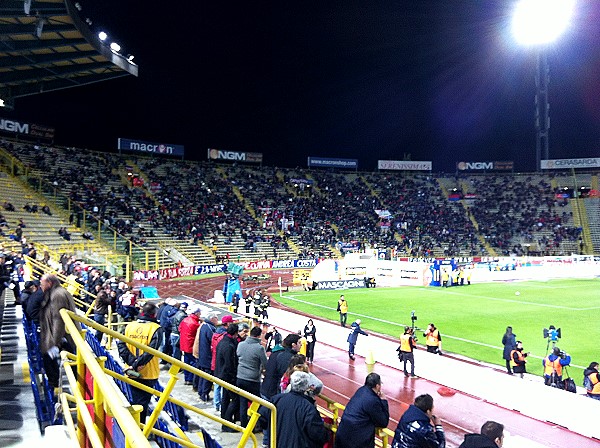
(57, 84)
(37, 8)
(25, 29)
(21, 76)
(24, 46)
(45, 59)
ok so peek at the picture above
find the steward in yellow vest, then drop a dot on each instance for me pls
(143, 366)
(433, 339)
(405, 351)
(342, 308)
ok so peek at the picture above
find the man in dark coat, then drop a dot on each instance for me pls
(415, 428)
(367, 409)
(226, 370)
(299, 424)
(492, 436)
(53, 335)
(353, 336)
(277, 365)
(31, 300)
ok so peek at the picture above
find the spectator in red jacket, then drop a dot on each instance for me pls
(187, 334)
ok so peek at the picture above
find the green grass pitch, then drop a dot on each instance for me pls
(472, 319)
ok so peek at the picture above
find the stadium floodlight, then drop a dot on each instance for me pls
(115, 47)
(540, 22)
(130, 58)
(102, 36)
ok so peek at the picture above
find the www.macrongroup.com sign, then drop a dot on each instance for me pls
(188, 271)
(332, 163)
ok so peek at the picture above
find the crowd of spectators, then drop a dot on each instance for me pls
(244, 206)
(516, 212)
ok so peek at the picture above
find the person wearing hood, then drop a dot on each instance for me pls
(299, 424)
(492, 436)
(419, 427)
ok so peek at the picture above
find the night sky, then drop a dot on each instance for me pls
(438, 80)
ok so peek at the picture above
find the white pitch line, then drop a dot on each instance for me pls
(546, 305)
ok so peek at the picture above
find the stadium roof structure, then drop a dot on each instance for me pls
(45, 46)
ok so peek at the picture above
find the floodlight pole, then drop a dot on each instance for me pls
(542, 109)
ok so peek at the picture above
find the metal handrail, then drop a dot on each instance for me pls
(86, 356)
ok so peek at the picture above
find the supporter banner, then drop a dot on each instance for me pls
(341, 284)
(484, 166)
(385, 214)
(348, 245)
(324, 162)
(186, 271)
(301, 181)
(235, 156)
(30, 130)
(559, 164)
(408, 165)
(164, 149)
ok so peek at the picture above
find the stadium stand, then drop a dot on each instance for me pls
(167, 212)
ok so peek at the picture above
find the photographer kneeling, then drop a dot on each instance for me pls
(553, 366)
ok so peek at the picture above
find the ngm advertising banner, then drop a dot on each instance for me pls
(235, 156)
(485, 166)
(29, 130)
(161, 149)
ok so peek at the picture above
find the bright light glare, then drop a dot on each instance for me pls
(538, 22)
(102, 35)
(115, 47)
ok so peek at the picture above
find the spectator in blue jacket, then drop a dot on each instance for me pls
(205, 335)
(355, 330)
(367, 409)
(419, 427)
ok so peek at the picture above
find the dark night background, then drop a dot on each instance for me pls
(440, 80)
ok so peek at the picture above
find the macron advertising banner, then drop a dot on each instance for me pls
(323, 162)
(29, 130)
(561, 164)
(161, 149)
(235, 156)
(403, 165)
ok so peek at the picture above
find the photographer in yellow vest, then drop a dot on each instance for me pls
(143, 367)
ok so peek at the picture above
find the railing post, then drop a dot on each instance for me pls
(99, 416)
(80, 364)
